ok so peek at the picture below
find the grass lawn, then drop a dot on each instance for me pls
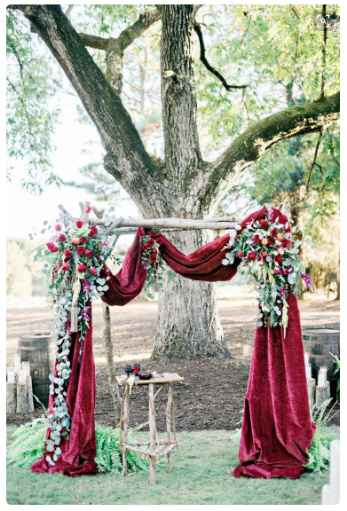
(200, 474)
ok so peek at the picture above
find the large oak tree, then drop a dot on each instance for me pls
(183, 184)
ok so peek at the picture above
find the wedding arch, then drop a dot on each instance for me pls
(277, 428)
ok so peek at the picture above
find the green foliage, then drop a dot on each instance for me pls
(31, 109)
(319, 451)
(336, 372)
(28, 442)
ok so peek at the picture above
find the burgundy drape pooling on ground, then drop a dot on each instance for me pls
(277, 428)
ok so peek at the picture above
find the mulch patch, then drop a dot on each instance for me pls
(211, 396)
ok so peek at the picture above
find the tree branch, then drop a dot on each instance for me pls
(126, 37)
(126, 158)
(258, 138)
(129, 34)
(227, 86)
(94, 41)
(324, 49)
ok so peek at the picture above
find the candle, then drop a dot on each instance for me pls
(322, 377)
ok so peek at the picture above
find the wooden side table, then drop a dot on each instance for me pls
(153, 448)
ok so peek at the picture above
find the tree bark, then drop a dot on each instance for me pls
(188, 324)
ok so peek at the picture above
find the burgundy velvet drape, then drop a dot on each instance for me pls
(78, 451)
(277, 429)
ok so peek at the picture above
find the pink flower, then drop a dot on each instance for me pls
(256, 238)
(52, 247)
(81, 267)
(88, 209)
(79, 223)
(282, 291)
(57, 227)
(239, 254)
(88, 252)
(75, 241)
(62, 237)
(93, 270)
(286, 243)
(80, 250)
(65, 266)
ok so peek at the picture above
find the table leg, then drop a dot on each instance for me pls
(124, 429)
(152, 432)
(169, 421)
(173, 418)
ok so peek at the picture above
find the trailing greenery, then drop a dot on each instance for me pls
(27, 446)
(319, 452)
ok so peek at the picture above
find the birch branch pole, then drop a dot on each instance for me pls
(172, 223)
(125, 225)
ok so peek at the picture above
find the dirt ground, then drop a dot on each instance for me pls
(211, 396)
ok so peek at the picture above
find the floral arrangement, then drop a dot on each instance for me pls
(75, 255)
(153, 263)
(269, 252)
(75, 260)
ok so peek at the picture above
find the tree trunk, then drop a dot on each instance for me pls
(188, 324)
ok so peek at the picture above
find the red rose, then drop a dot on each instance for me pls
(264, 224)
(81, 267)
(52, 247)
(278, 258)
(65, 266)
(273, 232)
(148, 244)
(83, 240)
(286, 243)
(75, 241)
(287, 229)
(93, 270)
(153, 256)
(239, 254)
(251, 256)
(62, 237)
(88, 252)
(67, 253)
(282, 219)
(79, 224)
(256, 238)
(80, 250)
(92, 231)
(57, 227)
